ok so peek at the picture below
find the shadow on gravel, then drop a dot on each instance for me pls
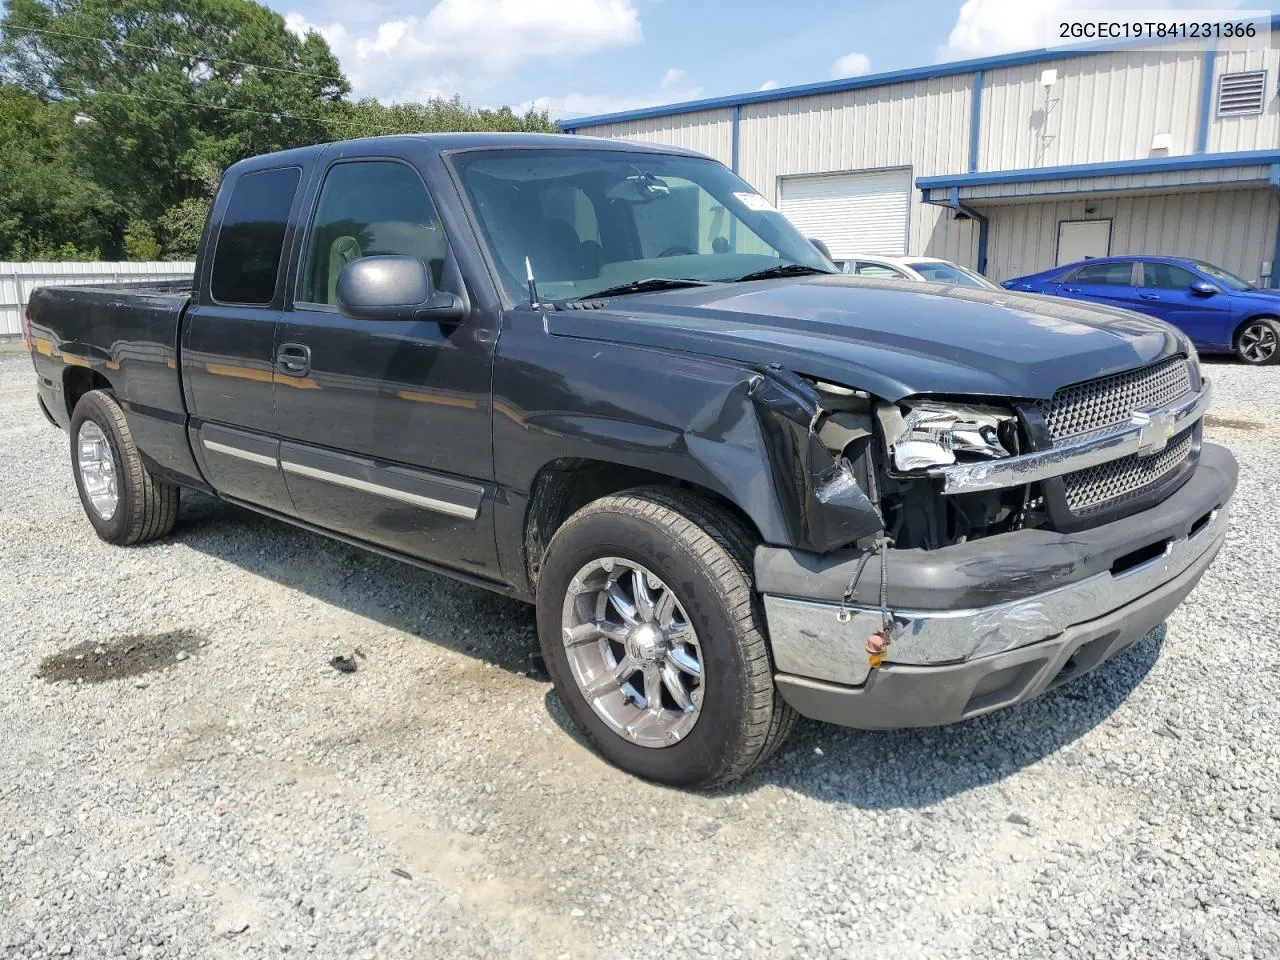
(126, 656)
(875, 769)
(484, 625)
(868, 769)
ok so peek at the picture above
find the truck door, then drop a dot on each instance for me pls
(228, 349)
(390, 441)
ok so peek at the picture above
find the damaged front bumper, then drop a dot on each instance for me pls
(990, 623)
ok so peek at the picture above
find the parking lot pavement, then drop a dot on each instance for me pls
(200, 782)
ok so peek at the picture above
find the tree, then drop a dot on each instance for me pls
(50, 208)
(369, 117)
(173, 87)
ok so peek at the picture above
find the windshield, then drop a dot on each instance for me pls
(591, 220)
(950, 273)
(1228, 280)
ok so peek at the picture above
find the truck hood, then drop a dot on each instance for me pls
(890, 338)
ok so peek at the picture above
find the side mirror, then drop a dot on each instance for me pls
(1203, 288)
(393, 288)
(822, 247)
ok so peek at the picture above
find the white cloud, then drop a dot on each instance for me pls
(591, 104)
(853, 64)
(769, 85)
(672, 78)
(469, 42)
(985, 27)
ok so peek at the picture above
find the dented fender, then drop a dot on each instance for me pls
(749, 435)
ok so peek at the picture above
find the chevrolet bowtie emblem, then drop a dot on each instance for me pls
(1154, 431)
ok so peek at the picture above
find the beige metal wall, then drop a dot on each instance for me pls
(1234, 228)
(923, 125)
(1108, 106)
(1248, 133)
(707, 131)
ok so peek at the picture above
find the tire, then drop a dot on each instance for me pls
(1258, 342)
(145, 507)
(702, 556)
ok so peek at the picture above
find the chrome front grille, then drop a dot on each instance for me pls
(1110, 401)
(1112, 483)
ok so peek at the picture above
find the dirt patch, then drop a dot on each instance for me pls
(126, 656)
(1233, 423)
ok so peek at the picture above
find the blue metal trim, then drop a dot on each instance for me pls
(1206, 161)
(984, 226)
(954, 68)
(1275, 256)
(975, 120)
(1206, 98)
(736, 128)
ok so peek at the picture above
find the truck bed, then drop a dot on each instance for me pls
(126, 334)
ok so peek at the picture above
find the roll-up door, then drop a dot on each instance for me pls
(851, 213)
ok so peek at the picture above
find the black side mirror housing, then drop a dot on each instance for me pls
(394, 288)
(1203, 288)
(822, 247)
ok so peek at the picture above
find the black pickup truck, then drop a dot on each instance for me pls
(612, 380)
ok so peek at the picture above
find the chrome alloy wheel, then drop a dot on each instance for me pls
(97, 469)
(633, 653)
(1258, 342)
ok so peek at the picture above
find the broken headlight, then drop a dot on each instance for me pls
(939, 434)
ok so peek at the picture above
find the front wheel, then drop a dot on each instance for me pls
(1258, 342)
(653, 637)
(125, 503)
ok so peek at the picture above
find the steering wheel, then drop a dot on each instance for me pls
(678, 251)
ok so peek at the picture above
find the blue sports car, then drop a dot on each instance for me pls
(1219, 312)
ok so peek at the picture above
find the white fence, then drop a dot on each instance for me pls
(17, 280)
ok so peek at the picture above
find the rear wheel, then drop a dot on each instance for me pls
(121, 498)
(1258, 342)
(653, 636)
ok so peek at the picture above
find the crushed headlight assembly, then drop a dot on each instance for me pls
(938, 434)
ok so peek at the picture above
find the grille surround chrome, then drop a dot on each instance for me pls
(1093, 405)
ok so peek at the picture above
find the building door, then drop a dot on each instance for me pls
(851, 213)
(1082, 240)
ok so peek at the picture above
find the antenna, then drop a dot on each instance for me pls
(533, 285)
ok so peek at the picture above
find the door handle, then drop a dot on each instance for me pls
(1149, 296)
(1071, 289)
(294, 359)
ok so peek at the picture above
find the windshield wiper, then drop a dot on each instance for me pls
(782, 270)
(643, 286)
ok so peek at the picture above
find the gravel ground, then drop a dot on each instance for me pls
(246, 799)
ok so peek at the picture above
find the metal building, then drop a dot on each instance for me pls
(1015, 163)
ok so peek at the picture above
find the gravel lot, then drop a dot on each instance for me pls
(245, 799)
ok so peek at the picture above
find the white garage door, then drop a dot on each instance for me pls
(851, 213)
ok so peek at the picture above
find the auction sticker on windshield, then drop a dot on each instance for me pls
(753, 201)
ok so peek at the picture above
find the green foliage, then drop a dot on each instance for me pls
(118, 117)
(369, 117)
(140, 243)
(48, 203)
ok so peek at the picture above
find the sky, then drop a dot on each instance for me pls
(586, 57)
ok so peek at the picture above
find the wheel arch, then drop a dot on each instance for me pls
(77, 381)
(1252, 318)
(565, 485)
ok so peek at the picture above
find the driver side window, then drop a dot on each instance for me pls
(369, 208)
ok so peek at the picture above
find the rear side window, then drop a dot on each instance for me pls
(246, 259)
(1105, 274)
(878, 270)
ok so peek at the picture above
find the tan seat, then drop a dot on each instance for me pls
(341, 252)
